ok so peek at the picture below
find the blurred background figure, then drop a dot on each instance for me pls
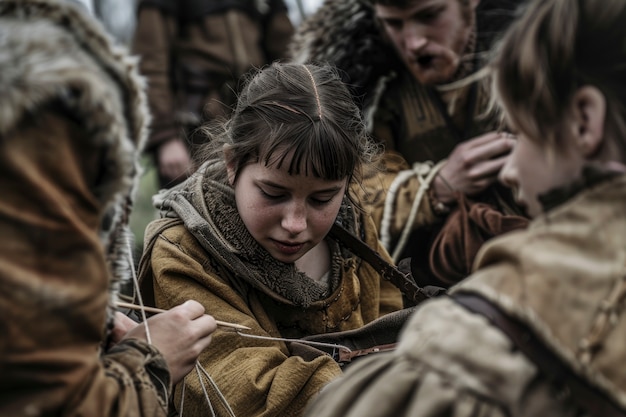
(193, 53)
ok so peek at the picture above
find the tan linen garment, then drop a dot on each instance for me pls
(564, 277)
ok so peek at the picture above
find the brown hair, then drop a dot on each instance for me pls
(556, 47)
(304, 109)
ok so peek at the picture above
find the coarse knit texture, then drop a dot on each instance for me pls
(418, 125)
(201, 250)
(73, 119)
(564, 277)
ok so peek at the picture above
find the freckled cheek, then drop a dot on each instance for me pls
(260, 221)
(323, 221)
(263, 214)
(255, 214)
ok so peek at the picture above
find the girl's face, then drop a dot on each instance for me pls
(532, 169)
(286, 214)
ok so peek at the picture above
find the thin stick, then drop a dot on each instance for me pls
(123, 304)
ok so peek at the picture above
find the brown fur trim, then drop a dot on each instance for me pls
(54, 52)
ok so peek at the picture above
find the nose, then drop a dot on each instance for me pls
(294, 218)
(508, 173)
(414, 37)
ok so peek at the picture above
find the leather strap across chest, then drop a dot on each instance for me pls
(389, 272)
(579, 390)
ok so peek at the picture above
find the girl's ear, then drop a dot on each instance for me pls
(589, 111)
(230, 165)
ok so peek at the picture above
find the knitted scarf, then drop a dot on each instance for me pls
(209, 212)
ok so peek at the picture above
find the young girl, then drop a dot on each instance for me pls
(539, 328)
(247, 236)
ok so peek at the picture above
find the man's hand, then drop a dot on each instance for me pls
(473, 166)
(174, 161)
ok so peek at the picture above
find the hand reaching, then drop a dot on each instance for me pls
(174, 161)
(180, 334)
(473, 166)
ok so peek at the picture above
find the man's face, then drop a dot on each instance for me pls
(429, 35)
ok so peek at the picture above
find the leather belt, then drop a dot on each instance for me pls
(345, 356)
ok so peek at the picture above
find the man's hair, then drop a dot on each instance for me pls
(402, 4)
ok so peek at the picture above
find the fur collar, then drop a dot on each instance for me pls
(345, 34)
(54, 52)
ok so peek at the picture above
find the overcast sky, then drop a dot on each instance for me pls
(309, 7)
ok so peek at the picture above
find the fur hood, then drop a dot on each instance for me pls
(346, 34)
(54, 52)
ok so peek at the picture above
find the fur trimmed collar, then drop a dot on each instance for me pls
(53, 52)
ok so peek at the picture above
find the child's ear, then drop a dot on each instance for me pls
(230, 166)
(589, 114)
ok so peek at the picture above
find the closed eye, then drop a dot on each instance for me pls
(395, 24)
(321, 201)
(325, 198)
(271, 196)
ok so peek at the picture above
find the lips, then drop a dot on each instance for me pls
(288, 248)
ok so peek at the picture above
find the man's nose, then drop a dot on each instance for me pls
(415, 37)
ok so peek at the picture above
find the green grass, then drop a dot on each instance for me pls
(143, 212)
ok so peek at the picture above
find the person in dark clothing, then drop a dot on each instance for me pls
(193, 53)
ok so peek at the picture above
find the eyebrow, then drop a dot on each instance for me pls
(279, 186)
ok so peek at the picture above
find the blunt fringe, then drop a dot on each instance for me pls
(302, 114)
